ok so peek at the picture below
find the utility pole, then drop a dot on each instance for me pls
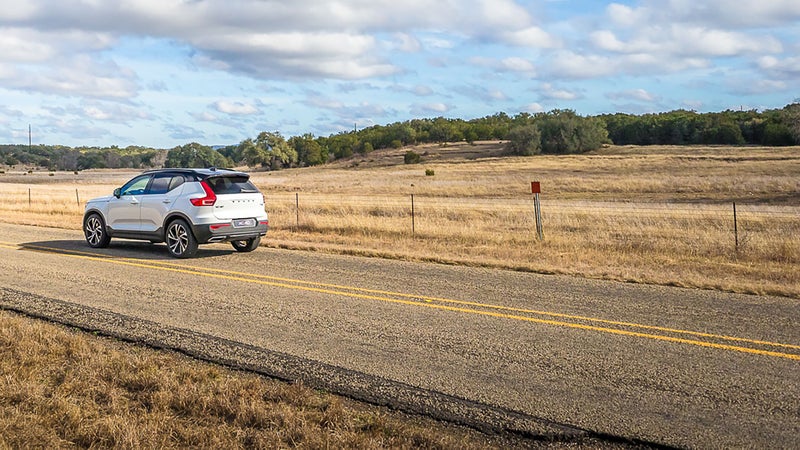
(30, 141)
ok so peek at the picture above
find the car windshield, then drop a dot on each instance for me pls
(236, 184)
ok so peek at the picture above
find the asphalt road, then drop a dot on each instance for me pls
(663, 365)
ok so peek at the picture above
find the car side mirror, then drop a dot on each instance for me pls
(116, 192)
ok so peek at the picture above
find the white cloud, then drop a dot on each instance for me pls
(723, 14)
(534, 37)
(510, 64)
(111, 112)
(407, 43)
(419, 90)
(429, 108)
(568, 64)
(785, 68)
(319, 101)
(422, 90)
(305, 38)
(204, 116)
(634, 94)
(756, 87)
(626, 16)
(549, 92)
(437, 43)
(515, 64)
(483, 93)
(235, 108)
(533, 108)
(79, 76)
(683, 40)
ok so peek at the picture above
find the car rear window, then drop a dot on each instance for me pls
(231, 185)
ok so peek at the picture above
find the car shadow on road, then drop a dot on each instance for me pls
(121, 249)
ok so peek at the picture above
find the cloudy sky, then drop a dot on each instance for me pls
(162, 73)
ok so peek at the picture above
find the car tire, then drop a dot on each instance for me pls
(180, 240)
(248, 245)
(94, 229)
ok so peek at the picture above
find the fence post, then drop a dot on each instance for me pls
(77, 198)
(735, 227)
(537, 208)
(297, 210)
(413, 219)
(29, 197)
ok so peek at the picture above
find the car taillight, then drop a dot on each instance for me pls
(208, 200)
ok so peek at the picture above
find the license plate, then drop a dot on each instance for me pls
(244, 223)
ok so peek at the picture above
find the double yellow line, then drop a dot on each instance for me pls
(715, 341)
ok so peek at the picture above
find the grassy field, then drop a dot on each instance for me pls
(660, 215)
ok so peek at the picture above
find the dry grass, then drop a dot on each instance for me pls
(61, 388)
(645, 214)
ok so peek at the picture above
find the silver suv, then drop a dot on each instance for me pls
(182, 207)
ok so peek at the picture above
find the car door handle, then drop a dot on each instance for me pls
(166, 200)
(134, 202)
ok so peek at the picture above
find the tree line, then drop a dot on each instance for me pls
(553, 132)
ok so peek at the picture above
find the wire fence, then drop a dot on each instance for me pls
(772, 230)
(730, 225)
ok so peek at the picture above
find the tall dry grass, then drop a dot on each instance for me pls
(654, 214)
(63, 389)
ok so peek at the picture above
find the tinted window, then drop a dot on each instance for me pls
(165, 182)
(176, 181)
(136, 186)
(160, 184)
(231, 185)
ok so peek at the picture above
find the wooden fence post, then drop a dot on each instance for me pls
(537, 208)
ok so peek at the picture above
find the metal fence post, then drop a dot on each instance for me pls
(735, 227)
(413, 219)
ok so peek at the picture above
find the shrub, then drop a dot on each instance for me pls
(429, 172)
(411, 157)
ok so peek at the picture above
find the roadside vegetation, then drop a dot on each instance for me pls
(62, 388)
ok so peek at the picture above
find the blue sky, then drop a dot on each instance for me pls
(162, 73)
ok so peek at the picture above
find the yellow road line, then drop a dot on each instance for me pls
(324, 290)
(449, 301)
(481, 305)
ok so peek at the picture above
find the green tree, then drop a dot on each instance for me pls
(309, 151)
(195, 155)
(280, 153)
(525, 140)
(252, 154)
(563, 131)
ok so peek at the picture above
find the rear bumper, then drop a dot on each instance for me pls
(227, 232)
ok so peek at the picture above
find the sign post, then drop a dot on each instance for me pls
(537, 207)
